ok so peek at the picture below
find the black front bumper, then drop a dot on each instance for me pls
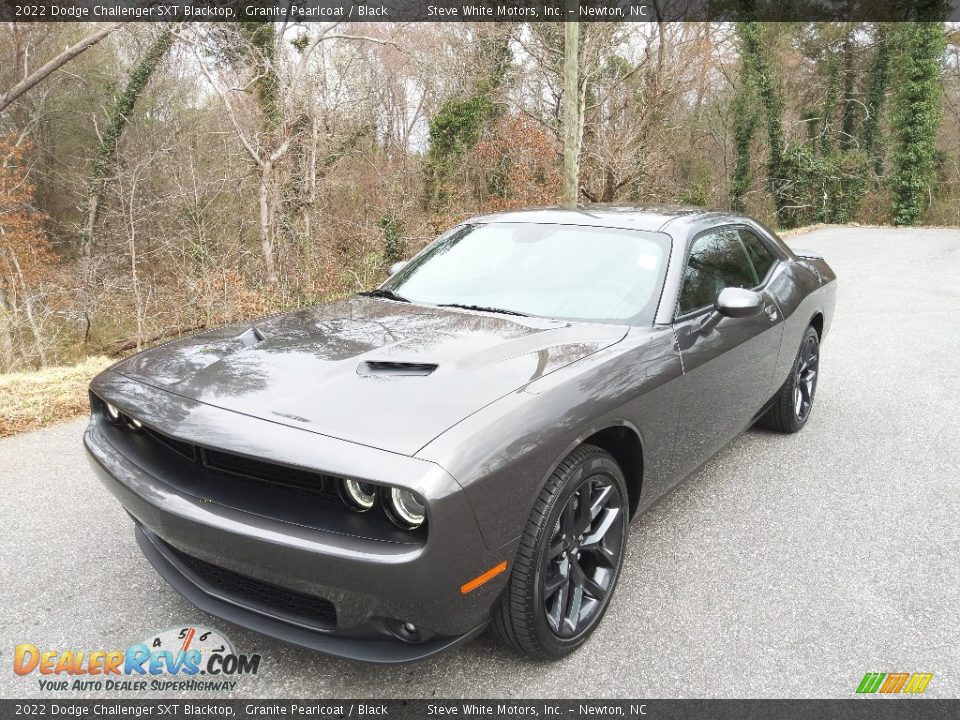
(371, 585)
(368, 643)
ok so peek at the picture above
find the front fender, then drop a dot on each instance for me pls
(504, 454)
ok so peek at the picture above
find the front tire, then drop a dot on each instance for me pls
(794, 402)
(569, 559)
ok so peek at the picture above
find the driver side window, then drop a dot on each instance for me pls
(717, 260)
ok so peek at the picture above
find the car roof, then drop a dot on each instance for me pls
(628, 217)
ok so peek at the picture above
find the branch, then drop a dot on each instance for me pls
(226, 101)
(55, 64)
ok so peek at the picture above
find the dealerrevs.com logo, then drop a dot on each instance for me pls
(187, 658)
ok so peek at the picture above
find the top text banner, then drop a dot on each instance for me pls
(476, 10)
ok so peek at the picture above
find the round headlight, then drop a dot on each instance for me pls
(405, 510)
(112, 413)
(360, 496)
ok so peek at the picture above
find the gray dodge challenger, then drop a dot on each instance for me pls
(382, 477)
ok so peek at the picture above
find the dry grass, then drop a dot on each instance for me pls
(32, 400)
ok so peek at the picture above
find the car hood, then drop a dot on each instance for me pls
(385, 374)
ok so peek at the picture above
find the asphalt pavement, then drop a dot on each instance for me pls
(788, 566)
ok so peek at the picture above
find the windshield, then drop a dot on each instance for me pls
(569, 272)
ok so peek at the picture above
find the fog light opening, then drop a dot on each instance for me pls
(407, 631)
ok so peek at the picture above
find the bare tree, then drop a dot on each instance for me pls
(571, 114)
(54, 64)
(268, 142)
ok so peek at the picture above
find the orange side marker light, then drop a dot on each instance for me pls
(485, 577)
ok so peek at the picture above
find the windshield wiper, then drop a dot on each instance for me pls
(387, 294)
(481, 308)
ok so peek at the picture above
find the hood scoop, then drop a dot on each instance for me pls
(251, 337)
(387, 368)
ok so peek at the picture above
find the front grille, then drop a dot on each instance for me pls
(316, 610)
(298, 495)
(239, 468)
(280, 476)
(183, 449)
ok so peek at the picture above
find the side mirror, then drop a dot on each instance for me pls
(739, 303)
(397, 267)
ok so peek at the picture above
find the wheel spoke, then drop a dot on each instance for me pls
(555, 583)
(572, 616)
(556, 614)
(568, 520)
(607, 520)
(584, 509)
(556, 547)
(593, 588)
(600, 501)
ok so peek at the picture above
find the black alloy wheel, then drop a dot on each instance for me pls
(793, 403)
(583, 557)
(805, 381)
(569, 558)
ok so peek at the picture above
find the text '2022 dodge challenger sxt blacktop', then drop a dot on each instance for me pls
(381, 477)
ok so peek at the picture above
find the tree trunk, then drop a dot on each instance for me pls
(6, 333)
(876, 96)
(123, 108)
(847, 114)
(754, 53)
(266, 212)
(55, 64)
(571, 114)
(918, 110)
(28, 307)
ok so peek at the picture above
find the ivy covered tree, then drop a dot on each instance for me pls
(917, 112)
(123, 107)
(394, 246)
(818, 174)
(744, 128)
(457, 125)
(870, 139)
(759, 66)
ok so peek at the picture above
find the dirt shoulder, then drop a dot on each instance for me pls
(33, 400)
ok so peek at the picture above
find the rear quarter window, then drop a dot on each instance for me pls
(759, 254)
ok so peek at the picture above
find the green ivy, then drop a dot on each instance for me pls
(827, 131)
(262, 57)
(744, 128)
(394, 246)
(876, 97)
(458, 123)
(917, 112)
(454, 130)
(752, 50)
(124, 104)
(848, 118)
(822, 176)
(456, 126)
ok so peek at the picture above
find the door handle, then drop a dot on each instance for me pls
(771, 311)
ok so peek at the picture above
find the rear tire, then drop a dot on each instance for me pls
(569, 558)
(794, 401)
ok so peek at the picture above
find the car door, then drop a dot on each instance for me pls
(728, 363)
